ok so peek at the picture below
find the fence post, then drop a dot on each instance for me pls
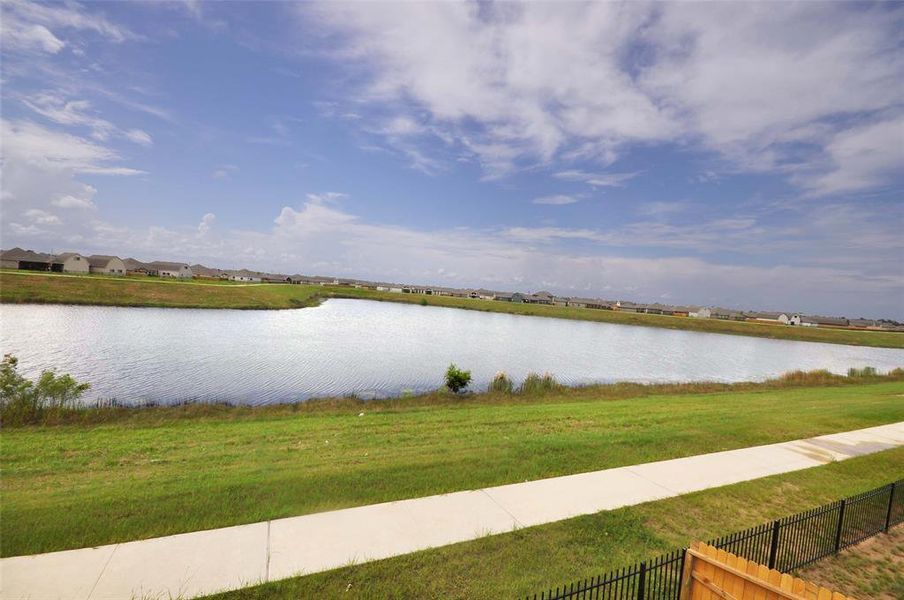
(642, 582)
(840, 525)
(773, 548)
(891, 501)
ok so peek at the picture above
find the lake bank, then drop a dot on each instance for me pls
(18, 287)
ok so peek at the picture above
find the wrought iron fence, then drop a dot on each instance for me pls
(785, 544)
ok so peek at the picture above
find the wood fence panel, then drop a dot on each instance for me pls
(714, 574)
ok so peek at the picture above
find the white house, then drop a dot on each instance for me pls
(244, 275)
(170, 269)
(770, 317)
(73, 262)
(699, 312)
(106, 265)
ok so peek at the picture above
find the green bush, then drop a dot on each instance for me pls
(456, 379)
(501, 384)
(539, 384)
(23, 401)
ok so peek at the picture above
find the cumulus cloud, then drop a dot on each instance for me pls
(768, 87)
(41, 217)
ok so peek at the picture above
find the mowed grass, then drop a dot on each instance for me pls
(21, 287)
(529, 561)
(81, 485)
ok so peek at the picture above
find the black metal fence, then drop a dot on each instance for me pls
(786, 544)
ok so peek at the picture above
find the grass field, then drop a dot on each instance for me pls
(529, 560)
(19, 287)
(72, 486)
(873, 569)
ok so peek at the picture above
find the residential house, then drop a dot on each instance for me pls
(865, 324)
(73, 262)
(699, 312)
(244, 275)
(136, 267)
(106, 265)
(769, 317)
(820, 321)
(207, 272)
(28, 260)
(543, 297)
(169, 269)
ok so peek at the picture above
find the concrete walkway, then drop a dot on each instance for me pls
(203, 562)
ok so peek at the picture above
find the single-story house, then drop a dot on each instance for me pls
(769, 317)
(699, 312)
(243, 275)
(106, 265)
(28, 260)
(725, 314)
(169, 269)
(820, 321)
(629, 307)
(864, 323)
(543, 297)
(483, 294)
(206, 272)
(681, 311)
(73, 262)
(136, 267)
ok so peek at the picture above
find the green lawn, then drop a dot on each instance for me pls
(21, 287)
(83, 485)
(530, 560)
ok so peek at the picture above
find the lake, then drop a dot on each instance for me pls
(376, 349)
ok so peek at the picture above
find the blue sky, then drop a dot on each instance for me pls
(747, 155)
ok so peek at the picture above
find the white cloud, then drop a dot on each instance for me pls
(81, 201)
(76, 113)
(860, 158)
(519, 85)
(37, 146)
(206, 223)
(139, 137)
(34, 28)
(596, 179)
(41, 217)
(556, 199)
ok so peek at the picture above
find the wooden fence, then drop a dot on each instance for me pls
(710, 574)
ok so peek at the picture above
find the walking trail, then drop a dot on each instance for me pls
(203, 562)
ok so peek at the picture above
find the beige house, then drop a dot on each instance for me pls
(106, 265)
(170, 269)
(73, 262)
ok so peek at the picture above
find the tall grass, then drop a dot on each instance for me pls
(536, 388)
(501, 384)
(539, 384)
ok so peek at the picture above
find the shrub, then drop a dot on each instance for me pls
(456, 379)
(423, 302)
(501, 384)
(24, 401)
(537, 384)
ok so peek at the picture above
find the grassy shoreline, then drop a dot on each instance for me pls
(17, 287)
(144, 414)
(80, 485)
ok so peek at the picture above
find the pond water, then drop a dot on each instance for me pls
(375, 349)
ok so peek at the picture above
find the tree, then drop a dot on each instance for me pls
(456, 379)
